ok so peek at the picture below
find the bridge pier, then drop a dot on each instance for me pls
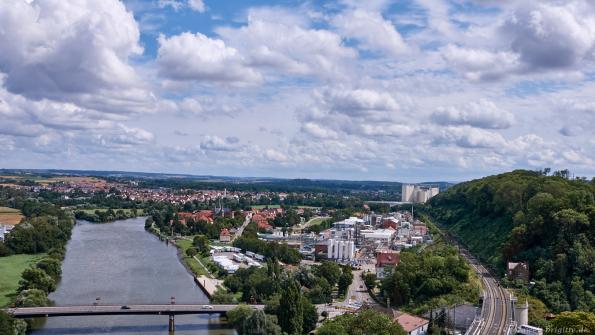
(172, 326)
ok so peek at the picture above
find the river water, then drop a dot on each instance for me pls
(123, 264)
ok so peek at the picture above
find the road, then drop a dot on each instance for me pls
(164, 309)
(496, 313)
(240, 230)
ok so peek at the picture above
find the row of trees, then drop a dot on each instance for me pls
(108, 215)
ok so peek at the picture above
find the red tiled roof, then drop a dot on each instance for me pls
(387, 258)
(410, 322)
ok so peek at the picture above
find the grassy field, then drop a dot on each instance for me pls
(126, 210)
(316, 221)
(11, 268)
(191, 262)
(10, 216)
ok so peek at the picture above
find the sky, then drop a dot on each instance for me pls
(404, 90)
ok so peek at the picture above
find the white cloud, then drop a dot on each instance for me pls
(70, 50)
(478, 64)
(552, 35)
(197, 57)
(481, 114)
(197, 5)
(468, 137)
(371, 30)
(530, 38)
(216, 143)
(282, 43)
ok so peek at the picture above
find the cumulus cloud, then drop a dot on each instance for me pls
(216, 143)
(371, 30)
(479, 64)
(468, 137)
(551, 35)
(533, 36)
(70, 50)
(197, 57)
(283, 42)
(197, 5)
(482, 114)
(359, 101)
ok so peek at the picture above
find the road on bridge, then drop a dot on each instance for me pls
(166, 309)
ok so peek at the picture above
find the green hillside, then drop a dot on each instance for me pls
(548, 221)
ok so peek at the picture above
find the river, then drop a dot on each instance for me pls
(123, 264)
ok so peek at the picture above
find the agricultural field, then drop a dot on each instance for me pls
(10, 216)
(11, 268)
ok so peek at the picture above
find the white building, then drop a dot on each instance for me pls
(417, 194)
(340, 250)
(382, 235)
(4, 230)
(407, 192)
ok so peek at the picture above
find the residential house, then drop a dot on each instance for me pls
(412, 325)
(386, 260)
(224, 236)
(518, 271)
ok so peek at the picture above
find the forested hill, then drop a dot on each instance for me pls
(548, 221)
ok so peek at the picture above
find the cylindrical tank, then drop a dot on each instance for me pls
(521, 313)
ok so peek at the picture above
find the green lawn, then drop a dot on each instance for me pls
(126, 210)
(316, 221)
(191, 262)
(11, 268)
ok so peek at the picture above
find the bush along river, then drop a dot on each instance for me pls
(120, 263)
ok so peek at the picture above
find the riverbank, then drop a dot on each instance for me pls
(11, 270)
(122, 264)
(193, 265)
(107, 215)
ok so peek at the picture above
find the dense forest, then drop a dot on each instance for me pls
(530, 216)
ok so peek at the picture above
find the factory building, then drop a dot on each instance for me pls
(340, 250)
(417, 193)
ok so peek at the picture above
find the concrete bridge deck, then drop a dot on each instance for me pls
(166, 309)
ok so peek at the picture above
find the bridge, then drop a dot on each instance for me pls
(167, 309)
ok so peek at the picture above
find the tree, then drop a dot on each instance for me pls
(365, 322)
(345, 280)
(252, 322)
(51, 266)
(221, 296)
(330, 271)
(574, 323)
(237, 316)
(10, 325)
(32, 298)
(202, 244)
(191, 252)
(291, 315)
(370, 280)
(310, 316)
(34, 278)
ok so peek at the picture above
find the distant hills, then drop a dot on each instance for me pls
(275, 184)
(547, 221)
